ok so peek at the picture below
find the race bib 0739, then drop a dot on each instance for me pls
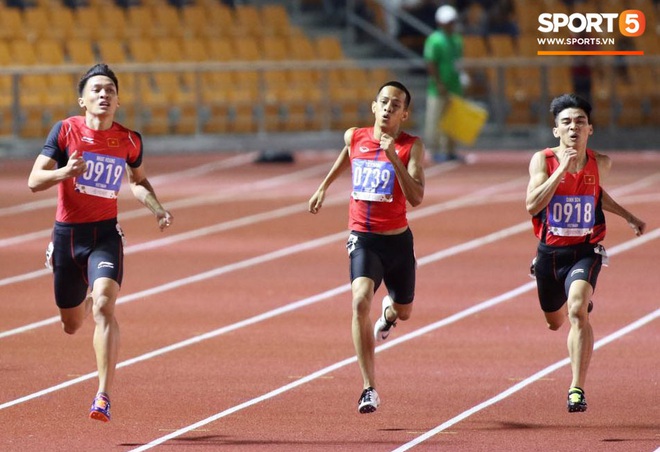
(373, 180)
(103, 175)
(571, 216)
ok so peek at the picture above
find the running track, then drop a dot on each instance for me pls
(235, 323)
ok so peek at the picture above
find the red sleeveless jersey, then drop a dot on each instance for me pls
(377, 201)
(574, 215)
(92, 196)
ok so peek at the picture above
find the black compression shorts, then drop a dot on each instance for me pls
(82, 253)
(557, 267)
(385, 258)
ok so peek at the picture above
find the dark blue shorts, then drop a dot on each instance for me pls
(557, 267)
(82, 253)
(385, 258)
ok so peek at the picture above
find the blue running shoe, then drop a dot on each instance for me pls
(100, 409)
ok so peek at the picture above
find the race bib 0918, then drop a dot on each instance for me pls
(571, 216)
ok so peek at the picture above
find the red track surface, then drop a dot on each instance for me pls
(216, 354)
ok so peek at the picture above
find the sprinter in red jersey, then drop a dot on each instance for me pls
(387, 168)
(86, 157)
(566, 200)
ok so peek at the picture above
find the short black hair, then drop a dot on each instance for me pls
(97, 69)
(561, 103)
(397, 85)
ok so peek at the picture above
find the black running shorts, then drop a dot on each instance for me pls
(82, 253)
(385, 258)
(557, 267)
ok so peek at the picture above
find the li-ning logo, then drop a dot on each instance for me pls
(106, 265)
(632, 22)
(577, 271)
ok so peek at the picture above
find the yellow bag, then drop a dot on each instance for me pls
(462, 119)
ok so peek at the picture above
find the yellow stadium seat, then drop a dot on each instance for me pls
(80, 51)
(167, 22)
(88, 24)
(11, 24)
(112, 51)
(275, 48)
(247, 49)
(329, 48)
(275, 20)
(49, 52)
(23, 52)
(248, 20)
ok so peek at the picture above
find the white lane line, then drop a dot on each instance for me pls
(526, 382)
(312, 300)
(419, 332)
(196, 201)
(466, 200)
(261, 317)
(231, 162)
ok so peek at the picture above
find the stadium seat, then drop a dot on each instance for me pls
(329, 48)
(220, 22)
(194, 23)
(300, 47)
(22, 52)
(112, 51)
(139, 22)
(248, 20)
(88, 24)
(275, 48)
(49, 51)
(6, 101)
(38, 25)
(501, 46)
(247, 49)
(215, 95)
(167, 22)
(220, 49)
(275, 20)
(11, 24)
(79, 51)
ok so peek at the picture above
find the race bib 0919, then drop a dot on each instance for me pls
(102, 176)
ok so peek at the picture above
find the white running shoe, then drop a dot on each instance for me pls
(383, 326)
(369, 401)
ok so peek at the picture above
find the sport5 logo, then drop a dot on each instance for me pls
(632, 22)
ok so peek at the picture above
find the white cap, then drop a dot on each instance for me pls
(446, 14)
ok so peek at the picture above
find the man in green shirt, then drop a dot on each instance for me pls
(442, 50)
